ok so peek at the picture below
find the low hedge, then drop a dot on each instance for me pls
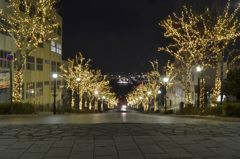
(17, 108)
(227, 109)
(231, 109)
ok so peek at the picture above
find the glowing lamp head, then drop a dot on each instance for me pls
(103, 97)
(141, 98)
(149, 93)
(96, 92)
(78, 79)
(159, 92)
(199, 69)
(165, 79)
(55, 75)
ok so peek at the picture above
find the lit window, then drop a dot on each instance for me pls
(56, 47)
(30, 89)
(59, 48)
(39, 89)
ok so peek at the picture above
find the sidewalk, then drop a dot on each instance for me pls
(211, 117)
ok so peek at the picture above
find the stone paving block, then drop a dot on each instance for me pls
(166, 145)
(81, 155)
(32, 156)
(178, 153)
(39, 148)
(11, 154)
(84, 141)
(21, 145)
(43, 142)
(105, 151)
(58, 152)
(106, 157)
(151, 149)
(7, 142)
(123, 139)
(126, 146)
(63, 144)
(157, 156)
(130, 155)
(209, 143)
(104, 143)
(82, 147)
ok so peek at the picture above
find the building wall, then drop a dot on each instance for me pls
(35, 76)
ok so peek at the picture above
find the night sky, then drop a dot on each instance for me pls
(120, 35)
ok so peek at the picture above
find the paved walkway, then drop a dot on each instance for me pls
(199, 140)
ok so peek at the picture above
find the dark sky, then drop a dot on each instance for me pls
(119, 35)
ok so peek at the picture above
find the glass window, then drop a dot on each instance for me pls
(3, 59)
(39, 89)
(46, 83)
(54, 66)
(39, 64)
(30, 63)
(59, 48)
(30, 90)
(58, 67)
(56, 47)
(53, 46)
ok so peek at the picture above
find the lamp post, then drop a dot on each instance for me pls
(96, 99)
(78, 93)
(103, 98)
(199, 70)
(10, 60)
(165, 81)
(55, 76)
(149, 94)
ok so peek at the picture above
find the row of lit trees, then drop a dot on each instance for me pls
(89, 84)
(148, 91)
(29, 23)
(201, 40)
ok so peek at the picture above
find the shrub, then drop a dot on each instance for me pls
(231, 109)
(17, 108)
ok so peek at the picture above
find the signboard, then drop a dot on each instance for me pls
(4, 80)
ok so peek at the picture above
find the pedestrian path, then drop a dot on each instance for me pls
(120, 141)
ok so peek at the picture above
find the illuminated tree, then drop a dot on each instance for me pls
(147, 91)
(199, 39)
(87, 83)
(29, 23)
(188, 43)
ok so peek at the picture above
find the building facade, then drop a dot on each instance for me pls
(37, 75)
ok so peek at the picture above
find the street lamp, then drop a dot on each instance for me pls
(10, 60)
(165, 81)
(54, 76)
(78, 93)
(96, 99)
(199, 70)
(103, 98)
